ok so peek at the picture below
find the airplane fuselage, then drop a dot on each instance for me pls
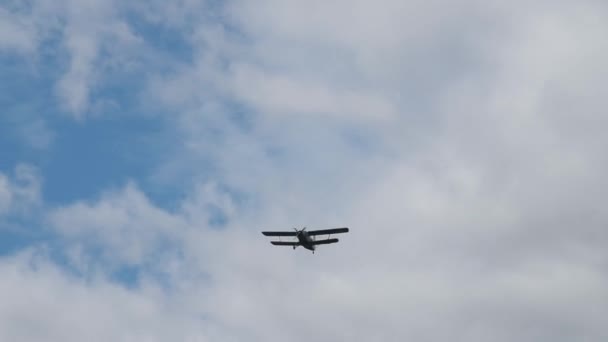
(305, 240)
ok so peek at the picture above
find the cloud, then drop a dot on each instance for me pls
(60, 307)
(438, 271)
(17, 33)
(479, 193)
(37, 134)
(464, 149)
(5, 194)
(88, 38)
(280, 95)
(93, 30)
(20, 193)
(130, 229)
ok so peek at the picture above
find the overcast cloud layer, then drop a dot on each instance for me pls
(463, 144)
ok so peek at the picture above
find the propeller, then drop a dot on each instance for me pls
(298, 232)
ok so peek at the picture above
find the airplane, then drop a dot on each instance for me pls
(306, 239)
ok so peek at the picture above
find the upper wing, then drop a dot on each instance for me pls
(287, 233)
(328, 231)
(324, 242)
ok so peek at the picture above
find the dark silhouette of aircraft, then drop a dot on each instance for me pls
(306, 239)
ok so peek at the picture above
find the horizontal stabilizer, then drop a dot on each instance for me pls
(280, 233)
(284, 243)
(328, 231)
(324, 242)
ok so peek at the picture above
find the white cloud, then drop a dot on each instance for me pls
(481, 196)
(20, 193)
(409, 274)
(17, 33)
(48, 304)
(37, 134)
(281, 95)
(125, 223)
(92, 27)
(476, 210)
(5, 194)
(86, 30)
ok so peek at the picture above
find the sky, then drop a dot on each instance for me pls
(144, 145)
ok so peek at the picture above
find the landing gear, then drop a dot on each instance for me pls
(294, 247)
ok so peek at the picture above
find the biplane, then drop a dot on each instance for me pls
(306, 239)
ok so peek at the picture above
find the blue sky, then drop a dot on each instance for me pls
(144, 146)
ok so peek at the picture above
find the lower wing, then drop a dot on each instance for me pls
(324, 242)
(284, 243)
